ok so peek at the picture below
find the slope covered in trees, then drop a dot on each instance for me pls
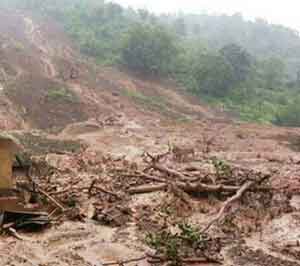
(249, 68)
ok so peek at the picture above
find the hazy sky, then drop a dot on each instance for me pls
(285, 12)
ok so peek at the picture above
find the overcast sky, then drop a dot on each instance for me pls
(286, 12)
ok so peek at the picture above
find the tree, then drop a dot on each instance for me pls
(239, 59)
(297, 83)
(289, 116)
(180, 27)
(144, 14)
(113, 10)
(213, 75)
(148, 50)
(273, 73)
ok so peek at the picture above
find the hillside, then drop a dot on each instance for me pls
(135, 160)
(251, 71)
(260, 38)
(47, 84)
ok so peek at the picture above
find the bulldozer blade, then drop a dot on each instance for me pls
(12, 204)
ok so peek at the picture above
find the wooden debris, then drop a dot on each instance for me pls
(122, 262)
(170, 172)
(14, 233)
(54, 201)
(158, 259)
(147, 189)
(240, 192)
(100, 188)
(189, 188)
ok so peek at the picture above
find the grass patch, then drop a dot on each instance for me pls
(154, 103)
(185, 241)
(151, 102)
(41, 145)
(61, 94)
(254, 105)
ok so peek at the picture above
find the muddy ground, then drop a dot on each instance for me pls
(106, 222)
(90, 142)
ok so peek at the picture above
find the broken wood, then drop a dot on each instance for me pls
(15, 234)
(291, 244)
(170, 172)
(150, 177)
(97, 187)
(227, 203)
(146, 176)
(122, 262)
(53, 200)
(100, 188)
(190, 188)
(92, 186)
(147, 189)
(192, 260)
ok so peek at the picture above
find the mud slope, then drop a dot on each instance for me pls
(51, 85)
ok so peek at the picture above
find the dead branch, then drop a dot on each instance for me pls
(147, 189)
(92, 186)
(290, 244)
(146, 176)
(186, 187)
(97, 187)
(200, 260)
(156, 158)
(15, 234)
(159, 258)
(293, 244)
(122, 262)
(151, 178)
(169, 171)
(54, 201)
(228, 202)
(100, 188)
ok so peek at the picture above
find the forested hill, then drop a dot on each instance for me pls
(259, 37)
(248, 67)
(109, 20)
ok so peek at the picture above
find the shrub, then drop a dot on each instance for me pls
(289, 116)
(148, 50)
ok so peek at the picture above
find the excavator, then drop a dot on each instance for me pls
(19, 202)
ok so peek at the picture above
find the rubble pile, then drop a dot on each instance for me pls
(232, 200)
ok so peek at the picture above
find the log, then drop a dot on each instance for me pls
(15, 234)
(53, 200)
(147, 189)
(192, 188)
(122, 262)
(97, 187)
(227, 203)
(169, 171)
(151, 178)
(191, 260)
(186, 187)
(146, 176)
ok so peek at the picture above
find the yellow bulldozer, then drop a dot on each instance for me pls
(17, 197)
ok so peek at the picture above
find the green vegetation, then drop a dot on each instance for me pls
(175, 246)
(148, 50)
(252, 71)
(41, 145)
(61, 94)
(153, 103)
(150, 102)
(289, 116)
(222, 168)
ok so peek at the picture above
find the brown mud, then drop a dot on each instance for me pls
(99, 126)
